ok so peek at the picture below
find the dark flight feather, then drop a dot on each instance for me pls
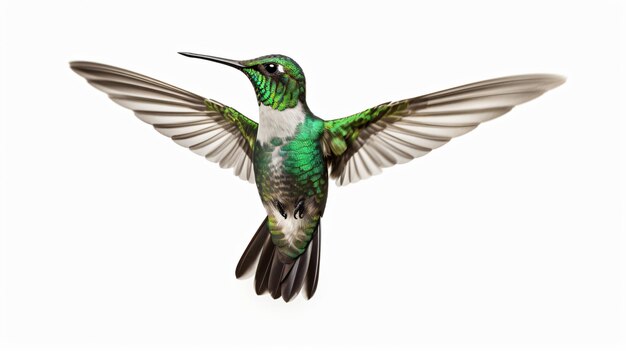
(253, 250)
(293, 282)
(262, 275)
(313, 273)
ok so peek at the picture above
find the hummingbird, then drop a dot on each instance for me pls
(291, 154)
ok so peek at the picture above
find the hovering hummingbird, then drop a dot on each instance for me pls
(291, 153)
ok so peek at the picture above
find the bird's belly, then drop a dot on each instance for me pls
(291, 235)
(292, 197)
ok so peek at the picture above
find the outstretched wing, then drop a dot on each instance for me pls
(396, 132)
(208, 128)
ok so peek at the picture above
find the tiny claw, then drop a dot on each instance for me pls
(281, 209)
(299, 210)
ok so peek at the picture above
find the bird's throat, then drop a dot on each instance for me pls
(279, 124)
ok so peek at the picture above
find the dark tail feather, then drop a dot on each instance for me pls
(293, 282)
(276, 270)
(253, 250)
(262, 275)
(313, 273)
(277, 273)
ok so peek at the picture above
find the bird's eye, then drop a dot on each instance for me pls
(272, 68)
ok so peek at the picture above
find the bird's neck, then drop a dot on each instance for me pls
(280, 124)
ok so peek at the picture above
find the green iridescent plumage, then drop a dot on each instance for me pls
(303, 155)
(341, 132)
(279, 91)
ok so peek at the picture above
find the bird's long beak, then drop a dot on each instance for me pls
(231, 63)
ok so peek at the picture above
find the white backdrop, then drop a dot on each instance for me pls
(507, 238)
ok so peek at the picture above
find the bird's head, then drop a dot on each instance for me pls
(277, 79)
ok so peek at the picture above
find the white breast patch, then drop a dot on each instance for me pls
(278, 124)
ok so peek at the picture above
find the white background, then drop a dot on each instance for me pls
(113, 237)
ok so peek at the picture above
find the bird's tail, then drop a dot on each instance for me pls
(277, 273)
